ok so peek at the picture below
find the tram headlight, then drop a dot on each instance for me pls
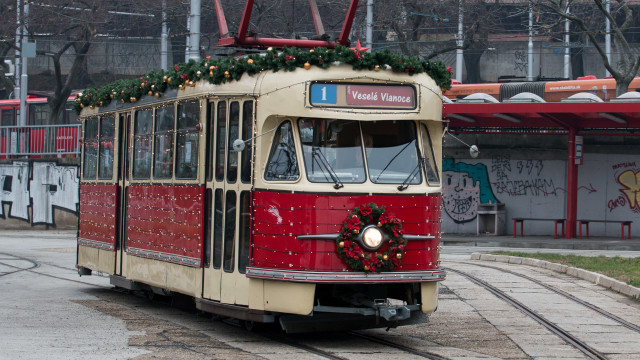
(372, 238)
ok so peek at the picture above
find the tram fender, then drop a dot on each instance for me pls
(283, 296)
(429, 294)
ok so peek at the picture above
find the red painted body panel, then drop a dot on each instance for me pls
(166, 222)
(98, 207)
(279, 217)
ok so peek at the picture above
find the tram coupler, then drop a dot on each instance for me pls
(390, 312)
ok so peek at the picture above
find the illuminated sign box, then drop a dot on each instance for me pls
(363, 96)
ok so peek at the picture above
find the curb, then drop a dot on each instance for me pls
(598, 279)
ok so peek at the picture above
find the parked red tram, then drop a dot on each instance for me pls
(550, 91)
(309, 197)
(33, 140)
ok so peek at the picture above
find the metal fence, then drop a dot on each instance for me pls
(39, 141)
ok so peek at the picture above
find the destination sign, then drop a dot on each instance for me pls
(363, 96)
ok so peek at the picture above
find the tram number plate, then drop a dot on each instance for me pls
(363, 96)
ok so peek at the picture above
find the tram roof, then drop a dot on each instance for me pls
(604, 118)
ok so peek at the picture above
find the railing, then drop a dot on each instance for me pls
(39, 141)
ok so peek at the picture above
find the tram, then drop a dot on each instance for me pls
(275, 188)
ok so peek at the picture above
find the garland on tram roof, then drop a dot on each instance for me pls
(360, 259)
(218, 71)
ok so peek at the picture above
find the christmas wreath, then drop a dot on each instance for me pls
(351, 248)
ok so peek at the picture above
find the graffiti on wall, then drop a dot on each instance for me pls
(464, 187)
(521, 177)
(49, 186)
(627, 175)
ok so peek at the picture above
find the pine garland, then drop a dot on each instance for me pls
(225, 70)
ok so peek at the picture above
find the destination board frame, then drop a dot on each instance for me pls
(362, 95)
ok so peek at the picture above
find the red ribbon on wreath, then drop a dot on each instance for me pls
(385, 258)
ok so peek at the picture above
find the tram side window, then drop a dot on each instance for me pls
(221, 131)
(90, 160)
(8, 117)
(430, 165)
(217, 229)
(106, 153)
(39, 114)
(163, 143)
(247, 134)
(245, 231)
(142, 144)
(282, 163)
(229, 231)
(187, 137)
(232, 157)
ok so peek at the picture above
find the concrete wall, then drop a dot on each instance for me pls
(39, 194)
(533, 183)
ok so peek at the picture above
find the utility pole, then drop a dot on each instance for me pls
(194, 31)
(460, 41)
(164, 40)
(24, 78)
(370, 25)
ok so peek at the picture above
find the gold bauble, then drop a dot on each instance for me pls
(150, 93)
(379, 224)
(164, 78)
(91, 107)
(157, 95)
(250, 61)
(366, 268)
(362, 255)
(82, 106)
(198, 73)
(100, 103)
(141, 85)
(169, 80)
(399, 256)
(181, 87)
(385, 257)
(356, 231)
(111, 96)
(226, 74)
(307, 66)
(310, 50)
(341, 244)
(376, 68)
(211, 67)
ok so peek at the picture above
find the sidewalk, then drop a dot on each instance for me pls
(543, 242)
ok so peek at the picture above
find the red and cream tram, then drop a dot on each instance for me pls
(310, 197)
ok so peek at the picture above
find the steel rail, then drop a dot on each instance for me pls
(560, 332)
(378, 340)
(577, 300)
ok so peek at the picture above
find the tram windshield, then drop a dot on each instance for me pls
(345, 151)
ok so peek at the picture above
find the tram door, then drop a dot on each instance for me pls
(124, 121)
(228, 197)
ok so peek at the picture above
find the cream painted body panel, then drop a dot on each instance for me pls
(212, 284)
(429, 294)
(96, 259)
(281, 296)
(178, 278)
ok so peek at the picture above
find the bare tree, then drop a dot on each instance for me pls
(620, 17)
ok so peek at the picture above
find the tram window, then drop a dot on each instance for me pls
(142, 144)
(207, 230)
(332, 148)
(187, 139)
(247, 134)
(8, 117)
(232, 157)
(282, 163)
(70, 115)
(430, 165)
(39, 114)
(245, 231)
(229, 231)
(217, 230)
(211, 110)
(163, 143)
(90, 160)
(393, 156)
(106, 152)
(221, 131)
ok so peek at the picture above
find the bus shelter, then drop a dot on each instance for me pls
(575, 118)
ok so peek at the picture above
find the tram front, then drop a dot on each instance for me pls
(347, 198)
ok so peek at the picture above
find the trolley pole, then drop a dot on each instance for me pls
(194, 33)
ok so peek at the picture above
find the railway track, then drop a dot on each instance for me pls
(571, 339)
(567, 295)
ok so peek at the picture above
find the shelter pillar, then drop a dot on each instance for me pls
(572, 186)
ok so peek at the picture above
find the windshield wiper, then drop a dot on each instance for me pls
(412, 175)
(322, 161)
(392, 159)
